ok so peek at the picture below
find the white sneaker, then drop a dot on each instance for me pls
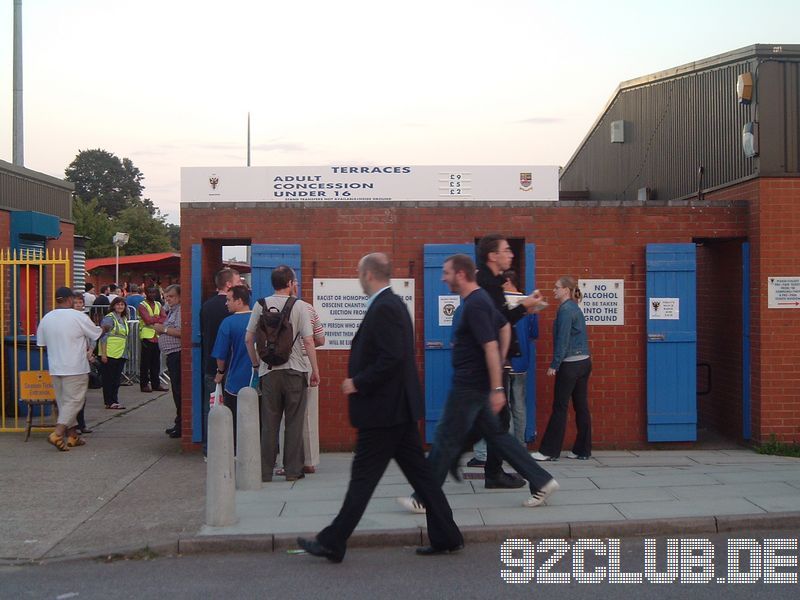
(541, 457)
(411, 504)
(538, 497)
(574, 456)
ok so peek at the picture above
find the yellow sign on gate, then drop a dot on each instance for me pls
(36, 385)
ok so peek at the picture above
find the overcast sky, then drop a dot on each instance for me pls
(168, 83)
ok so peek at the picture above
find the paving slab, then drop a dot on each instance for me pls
(735, 490)
(613, 482)
(777, 503)
(548, 514)
(686, 508)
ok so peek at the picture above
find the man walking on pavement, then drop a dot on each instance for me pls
(481, 336)
(66, 334)
(385, 402)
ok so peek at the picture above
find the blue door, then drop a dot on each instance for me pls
(438, 366)
(530, 381)
(671, 343)
(264, 258)
(197, 354)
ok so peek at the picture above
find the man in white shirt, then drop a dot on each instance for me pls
(65, 334)
(284, 386)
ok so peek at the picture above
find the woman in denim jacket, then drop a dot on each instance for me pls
(571, 367)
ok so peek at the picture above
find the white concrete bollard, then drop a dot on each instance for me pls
(248, 441)
(220, 481)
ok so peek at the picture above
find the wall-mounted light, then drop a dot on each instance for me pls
(744, 88)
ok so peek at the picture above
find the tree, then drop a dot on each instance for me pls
(174, 232)
(116, 184)
(94, 223)
(147, 233)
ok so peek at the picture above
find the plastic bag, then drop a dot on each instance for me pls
(216, 396)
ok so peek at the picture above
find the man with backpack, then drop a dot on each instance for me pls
(277, 326)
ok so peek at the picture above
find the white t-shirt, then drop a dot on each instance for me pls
(66, 333)
(300, 318)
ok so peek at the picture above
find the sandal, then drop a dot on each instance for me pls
(75, 440)
(58, 441)
(115, 406)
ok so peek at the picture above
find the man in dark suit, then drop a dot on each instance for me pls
(385, 404)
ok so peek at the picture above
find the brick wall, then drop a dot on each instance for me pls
(578, 238)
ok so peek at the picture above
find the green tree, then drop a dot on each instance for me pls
(174, 232)
(116, 184)
(148, 233)
(94, 223)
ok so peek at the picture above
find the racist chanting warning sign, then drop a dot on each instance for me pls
(342, 303)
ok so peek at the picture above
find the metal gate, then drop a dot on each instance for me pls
(29, 279)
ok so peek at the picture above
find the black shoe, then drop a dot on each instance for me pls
(432, 551)
(504, 481)
(314, 548)
(84, 430)
(169, 430)
(474, 462)
(175, 433)
(455, 471)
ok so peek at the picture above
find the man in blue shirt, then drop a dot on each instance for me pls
(230, 351)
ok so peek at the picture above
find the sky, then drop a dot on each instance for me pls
(169, 83)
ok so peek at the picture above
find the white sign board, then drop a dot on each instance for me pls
(783, 292)
(447, 308)
(603, 301)
(341, 304)
(665, 309)
(385, 183)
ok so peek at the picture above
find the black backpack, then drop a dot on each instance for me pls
(274, 334)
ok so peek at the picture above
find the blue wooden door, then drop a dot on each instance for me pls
(671, 343)
(530, 382)
(264, 258)
(438, 366)
(197, 355)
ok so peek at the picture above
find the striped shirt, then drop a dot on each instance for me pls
(169, 343)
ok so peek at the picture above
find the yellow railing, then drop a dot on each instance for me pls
(27, 278)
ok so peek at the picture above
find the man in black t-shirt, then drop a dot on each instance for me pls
(212, 313)
(480, 341)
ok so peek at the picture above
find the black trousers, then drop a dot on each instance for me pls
(174, 371)
(572, 380)
(111, 374)
(150, 365)
(374, 449)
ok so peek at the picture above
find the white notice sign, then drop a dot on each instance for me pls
(341, 304)
(447, 308)
(603, 301)
(783, 292)
(665, 309)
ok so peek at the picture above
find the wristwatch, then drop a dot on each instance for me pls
(221, 372)
(499, 389)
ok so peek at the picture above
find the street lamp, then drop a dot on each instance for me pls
(119, 239)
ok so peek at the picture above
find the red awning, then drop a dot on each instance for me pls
(135, 259)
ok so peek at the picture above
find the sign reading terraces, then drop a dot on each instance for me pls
(393, 183)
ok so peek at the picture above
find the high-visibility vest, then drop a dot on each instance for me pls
(145, 332)
(117, 338)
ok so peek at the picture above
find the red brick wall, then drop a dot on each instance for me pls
(776, 349)
(585, 240)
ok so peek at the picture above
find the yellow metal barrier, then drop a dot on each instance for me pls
(28, 282)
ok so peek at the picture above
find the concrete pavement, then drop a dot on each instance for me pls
(131, 488)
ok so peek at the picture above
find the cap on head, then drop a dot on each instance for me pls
(63, 293)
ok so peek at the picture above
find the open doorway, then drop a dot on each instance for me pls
(722, 331)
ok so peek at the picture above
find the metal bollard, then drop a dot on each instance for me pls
(220, 481)
(248, 441)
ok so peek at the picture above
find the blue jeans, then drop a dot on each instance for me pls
(467, 409)
(517, 399)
